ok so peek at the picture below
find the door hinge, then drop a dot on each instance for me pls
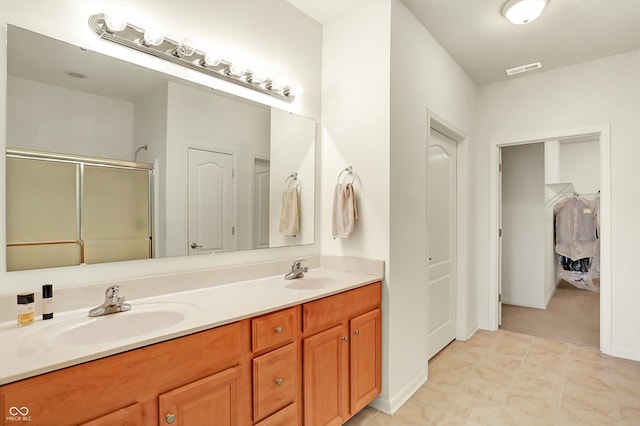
(500, 167)
(499, 297)
(233, 230)
(233, 173)
(500, 233)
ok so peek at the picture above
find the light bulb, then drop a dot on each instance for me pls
(256, 77)
(114, 23)
(523, 11)
(293, 91)
(237, 70)
(183, 49)
(152, 38)
(210, 61)
(276, 85)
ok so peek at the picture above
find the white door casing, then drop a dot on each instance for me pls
(500, 238)
(441, 225)
(603, 132)
(260, 210)
(210, 193)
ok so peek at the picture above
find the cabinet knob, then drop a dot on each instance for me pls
(278, 329)
(356, 332)
(279, 382)
(170, 418)
(345, 338)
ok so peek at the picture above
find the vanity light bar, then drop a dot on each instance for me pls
(137, 38)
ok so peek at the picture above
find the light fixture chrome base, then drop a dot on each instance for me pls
(132, 37)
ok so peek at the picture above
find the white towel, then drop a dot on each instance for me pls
(290, 212)
(345, 211)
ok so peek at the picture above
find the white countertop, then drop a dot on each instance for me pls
(37, 349)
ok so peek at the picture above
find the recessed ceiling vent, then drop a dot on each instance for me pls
(524, 68)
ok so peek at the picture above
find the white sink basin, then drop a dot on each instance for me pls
(140, 320)
(313, 283)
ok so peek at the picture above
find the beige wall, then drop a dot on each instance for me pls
(601, 93)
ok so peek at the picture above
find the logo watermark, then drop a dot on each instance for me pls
(18, 414)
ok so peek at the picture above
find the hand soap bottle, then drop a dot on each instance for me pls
(47, 301)
(26, 309)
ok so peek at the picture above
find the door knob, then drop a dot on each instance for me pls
(279, 382)
(356, 332)
(345, 338)
(278, 329)
(170, 418)
(195, 246)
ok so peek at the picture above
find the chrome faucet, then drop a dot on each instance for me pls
(113, 303)
(297, 270)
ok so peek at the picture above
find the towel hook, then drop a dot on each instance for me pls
(293, 177)
(349, 171)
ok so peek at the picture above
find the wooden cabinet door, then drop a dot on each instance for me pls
(129, 416)
(365, 364)
(326, 377)
(210, 401)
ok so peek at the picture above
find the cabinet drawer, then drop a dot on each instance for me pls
(273, 330)
(274, 381)
(285, 417)
(331, 310)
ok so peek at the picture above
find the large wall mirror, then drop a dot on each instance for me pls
(225, 173)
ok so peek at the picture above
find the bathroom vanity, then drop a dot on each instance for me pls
(310, 355)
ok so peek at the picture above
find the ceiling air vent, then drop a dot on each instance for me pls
(524, 68)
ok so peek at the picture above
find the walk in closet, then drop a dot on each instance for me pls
(550, 245)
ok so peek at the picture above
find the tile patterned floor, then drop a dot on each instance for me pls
(504, 378)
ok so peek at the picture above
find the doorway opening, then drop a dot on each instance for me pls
(541, 295)
(533, 178)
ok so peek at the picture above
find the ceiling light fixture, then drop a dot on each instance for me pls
(182, 53)
(523, 11)
(75, 74)
(524, 68)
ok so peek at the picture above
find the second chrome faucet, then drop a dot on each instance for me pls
(113, 303)
(297, 270)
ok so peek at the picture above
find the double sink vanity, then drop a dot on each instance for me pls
(230, 347)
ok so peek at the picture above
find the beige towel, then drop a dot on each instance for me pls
(345, 212)
(290, 212)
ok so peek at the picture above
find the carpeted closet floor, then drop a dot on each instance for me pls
(573, 316)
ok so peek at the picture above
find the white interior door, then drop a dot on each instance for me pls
(261, 176)
(210, 202)
(441, 211)
(500, 236)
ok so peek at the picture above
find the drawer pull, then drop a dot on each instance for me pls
(279, 329)
(170, 418)
(345, 338)
(279, 382)
(356, 332)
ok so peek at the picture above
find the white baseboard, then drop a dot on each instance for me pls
(625, 353)
(391, 405)
(546, 302)
(524, 304)
(472, 330)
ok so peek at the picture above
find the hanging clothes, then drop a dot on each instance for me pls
(576, 228)
(577, 243)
